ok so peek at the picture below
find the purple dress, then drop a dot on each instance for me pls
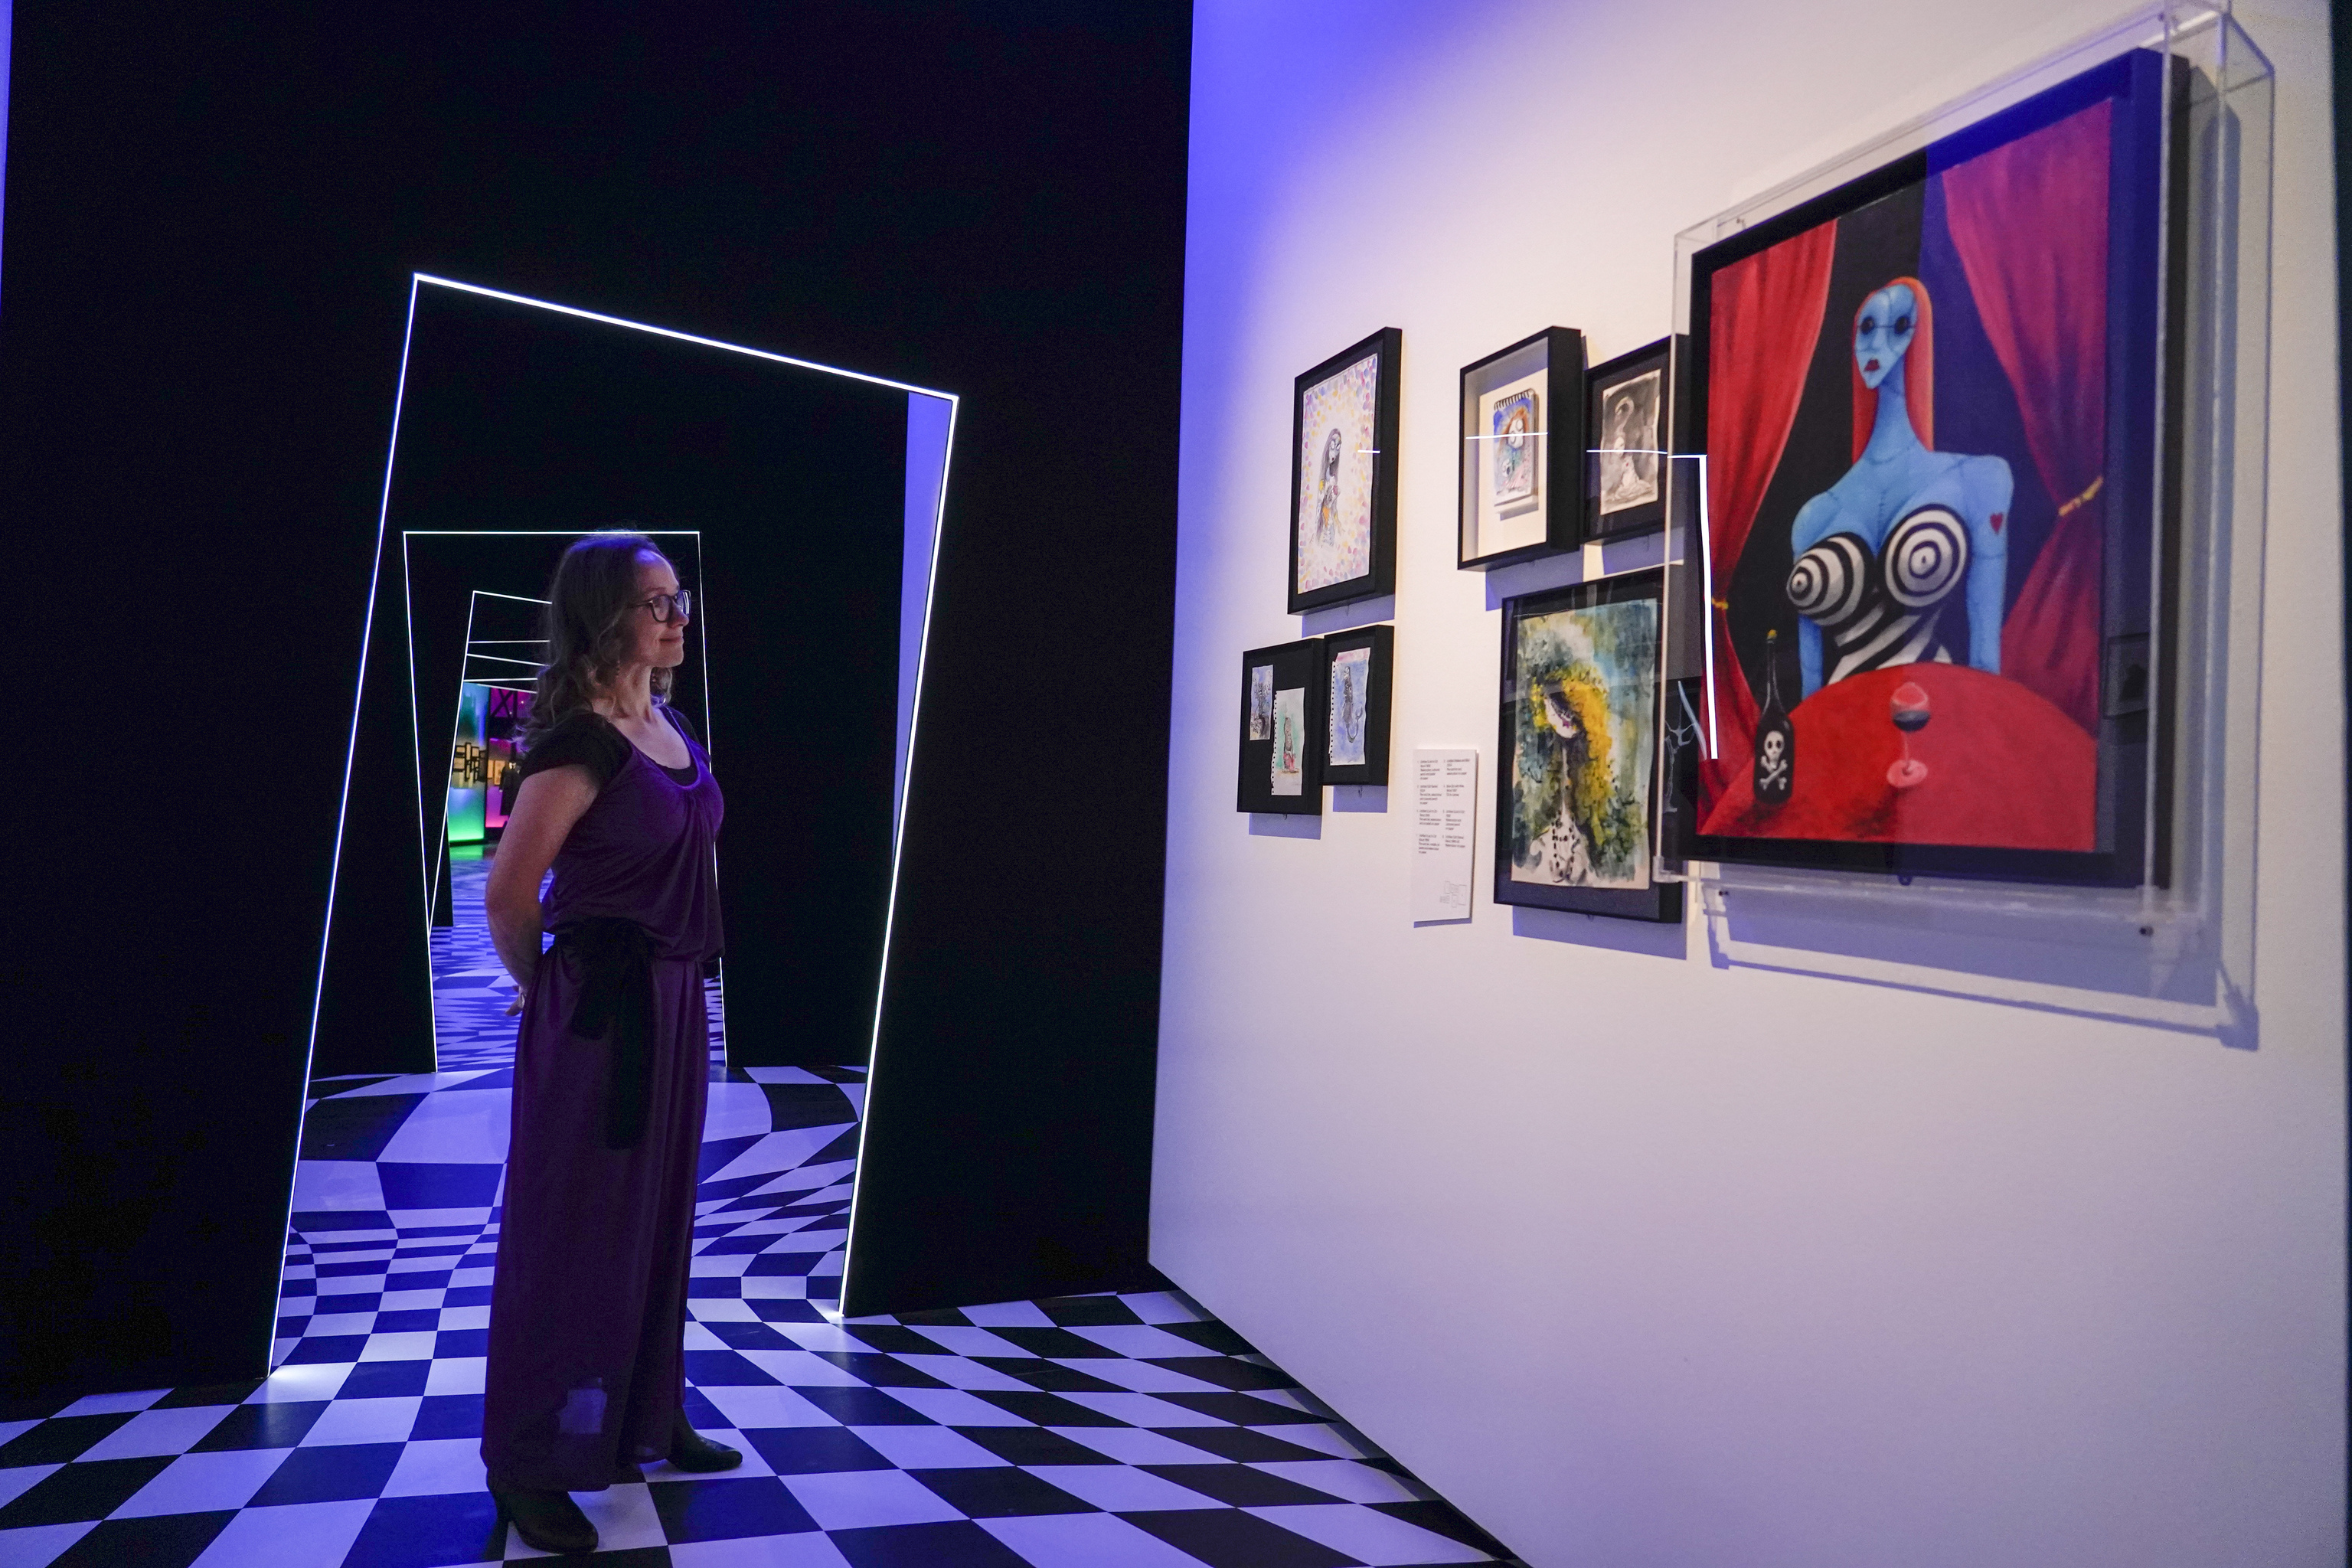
(588, 1309)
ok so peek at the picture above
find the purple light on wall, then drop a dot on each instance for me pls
(7, 32)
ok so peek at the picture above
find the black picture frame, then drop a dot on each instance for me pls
(1292, 666)
(1516, 849)
(1550, 364)
(2132, 475)
(1649, 377)
(1377, 479)
(1376, 676)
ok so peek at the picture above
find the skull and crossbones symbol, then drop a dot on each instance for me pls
(1775, 774)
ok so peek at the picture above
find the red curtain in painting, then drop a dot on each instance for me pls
(1765, 316)
(2028, 221)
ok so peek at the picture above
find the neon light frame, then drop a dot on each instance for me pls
(430, 855)
(416, 282)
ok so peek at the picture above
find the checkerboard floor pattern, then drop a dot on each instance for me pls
(1085, 1432)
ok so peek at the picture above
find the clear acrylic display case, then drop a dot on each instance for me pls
(2175, 945)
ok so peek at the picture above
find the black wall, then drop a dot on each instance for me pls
(211, 218)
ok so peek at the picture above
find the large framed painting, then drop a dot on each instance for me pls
(1576, 793)
(1343, 438)
(1930, 403)
(1512, 508)
(1628, 434)
(1359, 672)
(1282, 719)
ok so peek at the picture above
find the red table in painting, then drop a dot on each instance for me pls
(2006, 768)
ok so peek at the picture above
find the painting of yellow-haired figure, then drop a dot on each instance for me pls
(1583, 745)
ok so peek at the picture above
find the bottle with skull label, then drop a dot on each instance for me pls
(1774, 769)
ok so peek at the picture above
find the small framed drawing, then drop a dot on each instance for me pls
(1628, 432)
(1358, 670)
(1576, 790)
(1513, 402)
(1282, 719)
(1343, 438)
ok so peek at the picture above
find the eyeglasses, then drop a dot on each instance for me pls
(668, 607)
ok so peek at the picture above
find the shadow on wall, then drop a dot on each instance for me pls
(1648, 937)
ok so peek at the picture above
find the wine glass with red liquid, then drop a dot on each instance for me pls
(1908, 708)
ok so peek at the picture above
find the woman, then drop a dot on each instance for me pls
(585, 1376)
(1881, 553)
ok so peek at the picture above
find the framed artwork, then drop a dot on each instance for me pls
(1930, 404)
(1282, 719)
(1343, 437)
(1358, 669)
(1575, 788)
(1513, 401)
(1628, 432)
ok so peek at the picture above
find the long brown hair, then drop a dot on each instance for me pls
(589, 603)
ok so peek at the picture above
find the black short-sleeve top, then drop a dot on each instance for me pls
(588, 739)
(642, 849)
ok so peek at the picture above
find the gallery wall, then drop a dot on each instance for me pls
(212, 220)
(1636, 1256)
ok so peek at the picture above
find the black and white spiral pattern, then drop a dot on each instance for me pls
(1828, 583)
(1925, 557)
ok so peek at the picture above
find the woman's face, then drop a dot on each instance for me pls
(1562, 717)
(1883, 331)
(654, 643)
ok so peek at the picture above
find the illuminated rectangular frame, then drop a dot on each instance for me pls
(913, 703)
(424, 845)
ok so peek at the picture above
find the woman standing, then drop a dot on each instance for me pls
(585, 1376)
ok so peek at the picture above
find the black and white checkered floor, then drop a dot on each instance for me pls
(1084, 1432)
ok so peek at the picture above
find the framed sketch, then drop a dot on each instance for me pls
(1930, 402)
(1628, 432)
(1358, 669)
(1513, 402)
(1575, 788)
(1343, 438)
(1281, 729)
(1511, 467)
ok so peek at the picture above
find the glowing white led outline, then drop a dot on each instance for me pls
(898, 847)
(431, 853)
(669, 332)
(343, 813)
(416, 281)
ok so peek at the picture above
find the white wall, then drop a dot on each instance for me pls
(1637, 1259)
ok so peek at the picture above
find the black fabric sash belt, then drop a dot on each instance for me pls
(616, 1004)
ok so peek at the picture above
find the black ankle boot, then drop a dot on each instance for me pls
(550, 1521)
(690, 1450)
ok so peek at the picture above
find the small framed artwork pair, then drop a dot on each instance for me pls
(1314, 711)
(1554, 454)
(1576, 796)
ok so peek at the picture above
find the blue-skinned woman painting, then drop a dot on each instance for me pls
(1927, 401)
(1881, 554)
